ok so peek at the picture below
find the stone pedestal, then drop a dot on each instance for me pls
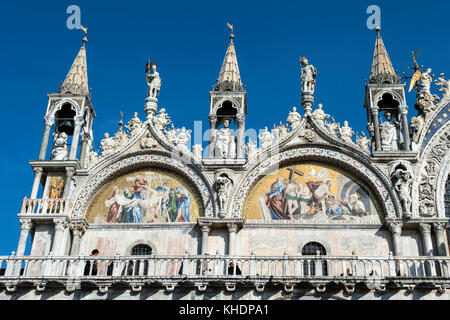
(151, 106)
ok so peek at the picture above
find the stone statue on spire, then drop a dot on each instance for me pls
(309, 73)
(153, 79)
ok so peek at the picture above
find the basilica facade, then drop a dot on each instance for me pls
(308, 209)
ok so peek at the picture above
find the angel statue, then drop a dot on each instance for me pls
(153, 79)
(309, 73)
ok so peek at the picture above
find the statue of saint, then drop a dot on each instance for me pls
(107, 145)
(182, 140)
(251, 148)
(225, 144)
(134, 124)
(60, 150)
(153, 79)
(346, 133)
(402, 186)
(319, 115)
(161, 120)
(197, 152)
(388, 132)
(294, 118)
(266, 138)
(309, 73)
(363, 142)
(222, 184)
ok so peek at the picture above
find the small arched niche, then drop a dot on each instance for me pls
(389, 104)
(226, 111)
(65, 119)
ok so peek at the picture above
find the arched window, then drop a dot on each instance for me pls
(314, 249)
(139, 266)
(141, 250)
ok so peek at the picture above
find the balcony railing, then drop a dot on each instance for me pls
(45, 207)
(226, 267)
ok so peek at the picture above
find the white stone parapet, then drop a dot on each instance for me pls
(217, 267)
(46, 207)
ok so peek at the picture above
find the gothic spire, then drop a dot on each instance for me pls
(229, 76)
(76, 81)
(382, 69)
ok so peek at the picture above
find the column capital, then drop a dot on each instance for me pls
(212, 117)
(425, 228)
(232, 227)
(205, 227)
(395, 227)
(78, 227)
(439, 226)
(374, 109)
(38, 171)
(26, 224)
(60, 223)
(49, 121)
(79, 121)
(240, 118)
(70, 172)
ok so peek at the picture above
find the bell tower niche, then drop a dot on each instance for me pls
(228, 108)
(385, 102)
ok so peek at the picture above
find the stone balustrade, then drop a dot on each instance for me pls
(45, 207)
(293, 268)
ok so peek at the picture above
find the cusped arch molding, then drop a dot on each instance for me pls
(351, 191)
(66, 101)
(126, 168)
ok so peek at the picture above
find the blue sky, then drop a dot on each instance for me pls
(188, 39)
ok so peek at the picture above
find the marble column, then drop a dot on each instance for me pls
(75, 138)
(37, 181)
(240, 136)
(46, 136)
(205, 229)
(406, 138)
(212, 134)
(427, 244)
(60, 226)
(376, 128)
(69, 174)
(441, 238)
(25, 227)
(232, 230)
(84, 143)
(78, 229)
(396, 231)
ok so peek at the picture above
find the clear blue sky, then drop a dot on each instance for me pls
(188, 39)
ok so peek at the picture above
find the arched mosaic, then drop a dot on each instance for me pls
(103, 175)
(310, 191)
(368, 180)
(146, 196)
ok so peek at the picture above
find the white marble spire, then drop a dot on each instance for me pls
(382, 69)
(76, 81)
(229, 73)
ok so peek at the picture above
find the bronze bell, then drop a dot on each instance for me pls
(66, 126)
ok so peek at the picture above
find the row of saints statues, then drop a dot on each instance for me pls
(225, 140)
